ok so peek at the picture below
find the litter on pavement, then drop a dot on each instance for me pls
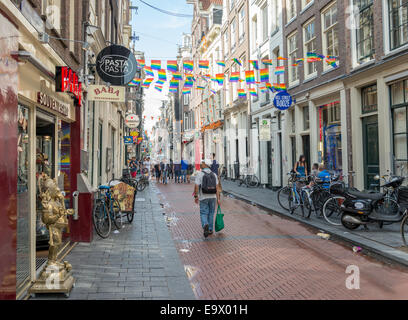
(324, 235)
(356, 249)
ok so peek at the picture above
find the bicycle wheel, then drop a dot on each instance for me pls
(116, 214)
(240, 180)
(101, 219)
(404, 230)
(130, 216)
(307, 204)
(141, 185)
(252, 181)
(332, 211)
(283, 197)
(318, 198)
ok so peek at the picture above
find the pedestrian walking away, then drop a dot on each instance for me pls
(207, 195)
(133, 167)
(184, 168)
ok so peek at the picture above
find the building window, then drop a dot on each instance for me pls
(275, 15)
(290, 9)
(232, 4)
(309, 39)
(399, 106)
(398, 15)
(330, 36)
(306, 122)
(292, 117)
(292, 55)
(226, 43)
(241, 24)
(365, 32)
(305, 3)
(369, 99)
(265, 22)
(233, 34)
(255, 31)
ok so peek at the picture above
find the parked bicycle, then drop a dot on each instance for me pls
(107, 209)
(248, 178)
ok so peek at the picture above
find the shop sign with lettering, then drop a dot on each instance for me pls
(116, 65)
(49, 102)
(105, 93)
(66, 80)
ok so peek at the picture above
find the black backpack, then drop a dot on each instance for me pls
(209, 183)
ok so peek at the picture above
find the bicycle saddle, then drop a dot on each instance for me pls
(104, 187)
(363, 195)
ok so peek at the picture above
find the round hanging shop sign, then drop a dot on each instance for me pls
(132, 121)
(116, 65)
(283, 100)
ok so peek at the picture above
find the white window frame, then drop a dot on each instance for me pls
(255, 31)
(265, 24)
(275, 15)
(306, 5)
(292, 70)
(288, 5)
(305, 50)
(233, 35)
(241, 24)
(331, 28)
(226, 43)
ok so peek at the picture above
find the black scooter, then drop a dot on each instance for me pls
(361, 208)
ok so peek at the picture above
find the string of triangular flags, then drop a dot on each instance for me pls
(190, 78)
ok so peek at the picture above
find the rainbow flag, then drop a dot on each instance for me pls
(188, 65)
(141, 63)
(200, 87)
(253, 92)
(241, 93)
(158, 88)
(263, 89)
(172, 89)
(189, 77)
(160, 82)
(172, 65)
(213, 91)
(220, 78)
(162, 75)
(280, 70)
(331, 61)
(250, 76)
(313, 57)
(188, 84)
(270, 87)
(264, 73)
(186, 91)
(149, 71)
(135, 82)
(221, 63)
(267, 62)
(174, 83)
(282, 58)
(147, 82)
(279, 86)
(234, 77)
(156, 64)
(255, 64)
(203, 64)
(177, 76)
(299, 60)
(237, 61)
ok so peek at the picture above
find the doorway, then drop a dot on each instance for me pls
(269, 161)
(371, 153)
(306, 150)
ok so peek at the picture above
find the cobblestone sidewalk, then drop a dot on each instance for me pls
(139, 262)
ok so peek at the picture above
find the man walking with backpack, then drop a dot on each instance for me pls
(207, 194)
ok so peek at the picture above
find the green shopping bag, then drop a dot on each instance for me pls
(219, 220)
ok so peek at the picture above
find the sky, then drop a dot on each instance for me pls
(159, 36)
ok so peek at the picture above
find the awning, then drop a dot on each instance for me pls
(213, 126)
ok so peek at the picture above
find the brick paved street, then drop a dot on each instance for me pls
(264, 256)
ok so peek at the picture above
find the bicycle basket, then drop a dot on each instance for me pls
(337, 188)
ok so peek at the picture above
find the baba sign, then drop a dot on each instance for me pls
(116, 65)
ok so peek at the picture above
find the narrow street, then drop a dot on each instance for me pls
(263, 256)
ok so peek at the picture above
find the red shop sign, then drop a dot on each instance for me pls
(66, 80)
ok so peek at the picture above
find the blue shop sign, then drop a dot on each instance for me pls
(128, 140)
(283, 100)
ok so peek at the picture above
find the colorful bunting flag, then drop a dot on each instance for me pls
(255, 64)
(253, 92)
(135, 82)
(188, 84)
(203, 64)
(279, 86)
(188, 65)
(174, 83)
(221, 63)
(237, 61)
(156, 64)
(234, 77)
(158, 88)
(162, 75)
(282, 58)
(220, 78)
(147, 82)
(279, 70)
(250, 76)
(149, 71)
(172, 65)
(200, 87)
(141, 63)
(264, 74)
(241, 93)
(267, 62)
(177, 76)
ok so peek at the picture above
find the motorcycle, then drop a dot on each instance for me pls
(361, 208)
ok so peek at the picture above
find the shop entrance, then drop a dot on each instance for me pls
(371, 155)
(306, 151)
(45, 162)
